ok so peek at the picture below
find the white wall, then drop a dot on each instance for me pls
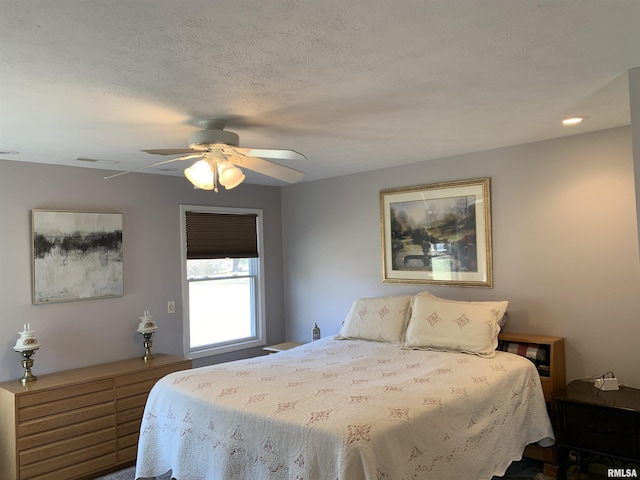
(76, 334)
(565, 245)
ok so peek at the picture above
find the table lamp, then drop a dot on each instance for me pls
(146, 327)
(26, 346)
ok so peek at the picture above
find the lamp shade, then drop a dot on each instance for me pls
(147, 325)
(230, 175)
(27, 340)
(200, 174)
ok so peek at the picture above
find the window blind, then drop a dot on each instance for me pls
(221, 235)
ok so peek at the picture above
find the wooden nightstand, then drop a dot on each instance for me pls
(598, 423)
(281, 346)
(552, 378)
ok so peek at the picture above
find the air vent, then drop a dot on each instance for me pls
(94, 160)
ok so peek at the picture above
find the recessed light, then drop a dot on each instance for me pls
(573, 121)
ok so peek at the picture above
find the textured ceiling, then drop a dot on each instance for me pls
(355, 86)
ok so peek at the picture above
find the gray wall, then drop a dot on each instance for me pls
(81, 333)
(634, 111)
(565, 245)
(564, 232)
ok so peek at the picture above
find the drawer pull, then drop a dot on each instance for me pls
(600, 432)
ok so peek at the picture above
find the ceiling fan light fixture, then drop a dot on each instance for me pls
(230, 176)
(222, 157)
(200, 174)
(238, 181)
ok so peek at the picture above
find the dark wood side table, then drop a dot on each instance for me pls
(597, 422)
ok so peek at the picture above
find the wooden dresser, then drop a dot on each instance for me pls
(77, 424)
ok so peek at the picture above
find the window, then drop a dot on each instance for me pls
(222, 282)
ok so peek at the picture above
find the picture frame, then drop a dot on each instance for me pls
(438, 234)
(76, 255)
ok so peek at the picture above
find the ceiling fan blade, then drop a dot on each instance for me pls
(186, 157)
(277, 154)
(268, 168)
(169, 151)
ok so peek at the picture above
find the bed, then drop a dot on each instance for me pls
(378, 401)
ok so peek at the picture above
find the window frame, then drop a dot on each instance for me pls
(257, 340)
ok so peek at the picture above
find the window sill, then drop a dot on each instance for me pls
(209, 351)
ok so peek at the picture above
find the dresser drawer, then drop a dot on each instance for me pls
(128, 454)
(68, 431)
(134, 401)
(50, 395)
(76, 398)
(150, 376)
(129, 428)
(65, 419)
(136, 388)
(70, 445)
(132, 414)
(68, 466)
(604, 430)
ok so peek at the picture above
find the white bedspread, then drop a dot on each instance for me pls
(348, 410)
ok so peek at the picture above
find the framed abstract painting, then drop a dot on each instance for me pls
(75, 255)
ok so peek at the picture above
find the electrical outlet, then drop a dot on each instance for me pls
(171, 307)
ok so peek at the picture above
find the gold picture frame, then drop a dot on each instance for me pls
(438, 234)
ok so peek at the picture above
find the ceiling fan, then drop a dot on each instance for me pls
(220, 157)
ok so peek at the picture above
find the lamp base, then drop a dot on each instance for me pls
(147, 347)
(27, 363)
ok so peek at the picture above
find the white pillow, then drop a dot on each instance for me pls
(450, 325)
(382, 319)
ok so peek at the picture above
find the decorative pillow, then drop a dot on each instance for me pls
(450, 325)
(382, 319)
